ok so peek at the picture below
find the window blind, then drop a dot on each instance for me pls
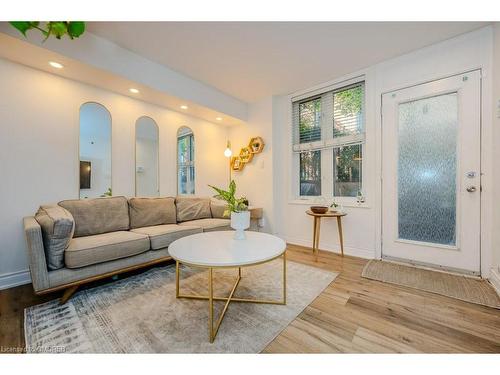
(331, 119)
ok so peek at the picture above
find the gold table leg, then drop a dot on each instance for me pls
(210, 306)
(284, 278)
(177, 279)
(212, 330)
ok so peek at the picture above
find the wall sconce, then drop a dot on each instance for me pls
(228, 153)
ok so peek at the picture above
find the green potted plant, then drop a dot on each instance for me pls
(236, 208)
(334, 207)
(52, 28)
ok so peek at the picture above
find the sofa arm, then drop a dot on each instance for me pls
(36, 254)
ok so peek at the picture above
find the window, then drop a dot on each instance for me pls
(185, 161)
(309, 116)
(328, 138)
(310, 173)
(347, 169)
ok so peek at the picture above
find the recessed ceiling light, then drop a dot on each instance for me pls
(56, 65)
(134, 91)
(218, 118)
(184, 107)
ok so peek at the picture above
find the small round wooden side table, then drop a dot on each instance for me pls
(317, 225)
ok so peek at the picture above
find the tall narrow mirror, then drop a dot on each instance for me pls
(146, 158)
(95, 151)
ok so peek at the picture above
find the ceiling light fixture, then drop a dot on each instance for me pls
(133, 91)
(184, 107)
(218, 118)
(56, 65)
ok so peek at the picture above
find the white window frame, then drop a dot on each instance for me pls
(327, 152)
(191, 163)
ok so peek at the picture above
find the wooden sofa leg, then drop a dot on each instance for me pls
(67, 294)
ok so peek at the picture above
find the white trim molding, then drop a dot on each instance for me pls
(494, 280)
(10, 280)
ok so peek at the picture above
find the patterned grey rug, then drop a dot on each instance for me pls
(140, 314)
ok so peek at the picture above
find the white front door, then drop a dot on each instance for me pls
(431, 180)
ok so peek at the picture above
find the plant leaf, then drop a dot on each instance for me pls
(22, 26)
(58, 29)
(76, 28)
(232, 187)
(233, 204)
(219, 191)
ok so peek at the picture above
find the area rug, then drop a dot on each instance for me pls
(140, 314)
(460, 287)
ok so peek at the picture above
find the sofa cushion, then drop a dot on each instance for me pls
(146, 212)
(190, 208)
(217, 209)
(99, 215)
(163, 235)
(57, 230)
(209, 225)
(69, 275)
(84, 251)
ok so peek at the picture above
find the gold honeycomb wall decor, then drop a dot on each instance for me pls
(236, 163)
(246, 155)
(255, 146)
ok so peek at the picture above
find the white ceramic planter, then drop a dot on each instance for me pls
(239, 222)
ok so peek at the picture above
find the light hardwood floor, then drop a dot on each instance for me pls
(357, 315)
(352, 315)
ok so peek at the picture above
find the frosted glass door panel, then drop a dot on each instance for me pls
(427, 169)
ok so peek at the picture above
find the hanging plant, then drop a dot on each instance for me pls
(55, 28)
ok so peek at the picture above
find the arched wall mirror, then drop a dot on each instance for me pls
(146, 158)
(185, 161)
(95, 151)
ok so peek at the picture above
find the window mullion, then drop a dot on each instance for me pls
(326, 173)
(326, 154)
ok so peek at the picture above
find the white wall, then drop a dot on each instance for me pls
(39, 115)
(496, 147)
(255, 181)
(362, 224)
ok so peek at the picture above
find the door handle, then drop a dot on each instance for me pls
(471, 189)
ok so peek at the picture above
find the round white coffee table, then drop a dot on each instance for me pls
(213, 250)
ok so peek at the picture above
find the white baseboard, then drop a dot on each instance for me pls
(10, 280)
(494, 280)
(353, 251)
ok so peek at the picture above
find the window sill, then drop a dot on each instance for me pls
(347, 203)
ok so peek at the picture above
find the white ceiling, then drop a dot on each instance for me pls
(27, 52)
(250, 60)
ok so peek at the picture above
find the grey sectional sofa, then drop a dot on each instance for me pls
(79, 241)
